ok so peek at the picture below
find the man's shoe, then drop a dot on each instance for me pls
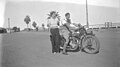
(54, 52)
(65, 53)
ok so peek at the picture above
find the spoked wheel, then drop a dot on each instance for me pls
(91, 44)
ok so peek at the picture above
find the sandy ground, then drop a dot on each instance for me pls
(33, 49)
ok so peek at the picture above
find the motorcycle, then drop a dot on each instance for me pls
(81, 40)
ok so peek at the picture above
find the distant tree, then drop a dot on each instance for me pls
(34, 24)
(48, 25)
(15, 29)
(19, 29)
(3, 30)
(27, 20)
(43, 26)
(37, 29)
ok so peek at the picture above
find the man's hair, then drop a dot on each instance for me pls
(67, 14)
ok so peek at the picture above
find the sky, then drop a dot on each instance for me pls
(100, 11)
(112, 3)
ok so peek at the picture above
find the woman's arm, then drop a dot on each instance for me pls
(48, 23)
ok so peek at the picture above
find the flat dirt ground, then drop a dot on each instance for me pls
(33, 49)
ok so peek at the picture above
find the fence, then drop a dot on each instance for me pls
(107, 25)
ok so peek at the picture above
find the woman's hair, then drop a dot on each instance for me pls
(67, 14)
(52, 12)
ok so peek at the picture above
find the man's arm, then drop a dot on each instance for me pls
(67, 28)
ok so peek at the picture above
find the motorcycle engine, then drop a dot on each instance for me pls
(73, 42)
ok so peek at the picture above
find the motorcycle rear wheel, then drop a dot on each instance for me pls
(90, 44)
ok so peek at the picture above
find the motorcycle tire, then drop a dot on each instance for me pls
(87, 47)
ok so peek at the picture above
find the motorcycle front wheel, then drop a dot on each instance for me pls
(90, 44)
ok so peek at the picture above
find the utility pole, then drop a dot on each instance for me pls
(9, 25)
(87, 14)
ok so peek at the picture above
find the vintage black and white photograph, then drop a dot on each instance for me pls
(60, 33)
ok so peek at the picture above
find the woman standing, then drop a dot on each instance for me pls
(54, 30)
